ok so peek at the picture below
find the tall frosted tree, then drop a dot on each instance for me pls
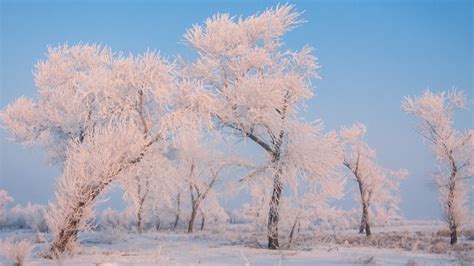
(98, 114)
(452, 148)
(378, 187)
(257, 89)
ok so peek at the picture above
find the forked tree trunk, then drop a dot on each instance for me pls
(274, 216)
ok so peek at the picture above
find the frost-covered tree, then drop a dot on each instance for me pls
(100, 115)
(201, 166)
(5, 199)
(256, 89)
(377, 187)
(149, 188)
(302, 207)
(452, 149)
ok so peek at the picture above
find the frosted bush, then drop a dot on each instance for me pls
(30, 216)
(5, 199)
(110, 235)
(110, 218)
(16, 251)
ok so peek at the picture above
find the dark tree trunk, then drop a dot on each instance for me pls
(158, 224)
(192, 219)
(454, 235)
(293, 230)
(67, 234)
(69, 231)
(273, 216)
(203, 220)
(176, 220)
(362, 223)
(139, 216)
(139, 220)
(451, 218)
(367, 228)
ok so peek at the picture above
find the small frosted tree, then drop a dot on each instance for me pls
(377, 186)
(256, 90)
(5, 199)
(305, 204)
(201, 165)
(452, 149)
(149, 186)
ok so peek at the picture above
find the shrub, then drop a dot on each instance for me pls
(16, 251)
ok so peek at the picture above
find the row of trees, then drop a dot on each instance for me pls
(161, 129)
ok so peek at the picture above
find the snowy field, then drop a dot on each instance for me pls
(417, 243)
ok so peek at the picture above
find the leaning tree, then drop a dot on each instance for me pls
(377, 186)
(257, 88)
(452, 149)
(99, 115)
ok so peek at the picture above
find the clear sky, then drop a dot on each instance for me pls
(372, 54)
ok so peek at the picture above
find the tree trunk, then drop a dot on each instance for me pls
(158, 224)
(203, 220)
(139, 220)
(293, 230)
(176, 221)
(67, 234)
(141, 203)
(362, 223)
(69, 231)
(139, 215)
(451, 216)
(367, 221)
(273, 216)
(454, 235)
(192, 219)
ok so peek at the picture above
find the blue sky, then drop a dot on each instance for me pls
(372, 54)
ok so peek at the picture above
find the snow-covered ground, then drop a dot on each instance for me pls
(412, 244)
